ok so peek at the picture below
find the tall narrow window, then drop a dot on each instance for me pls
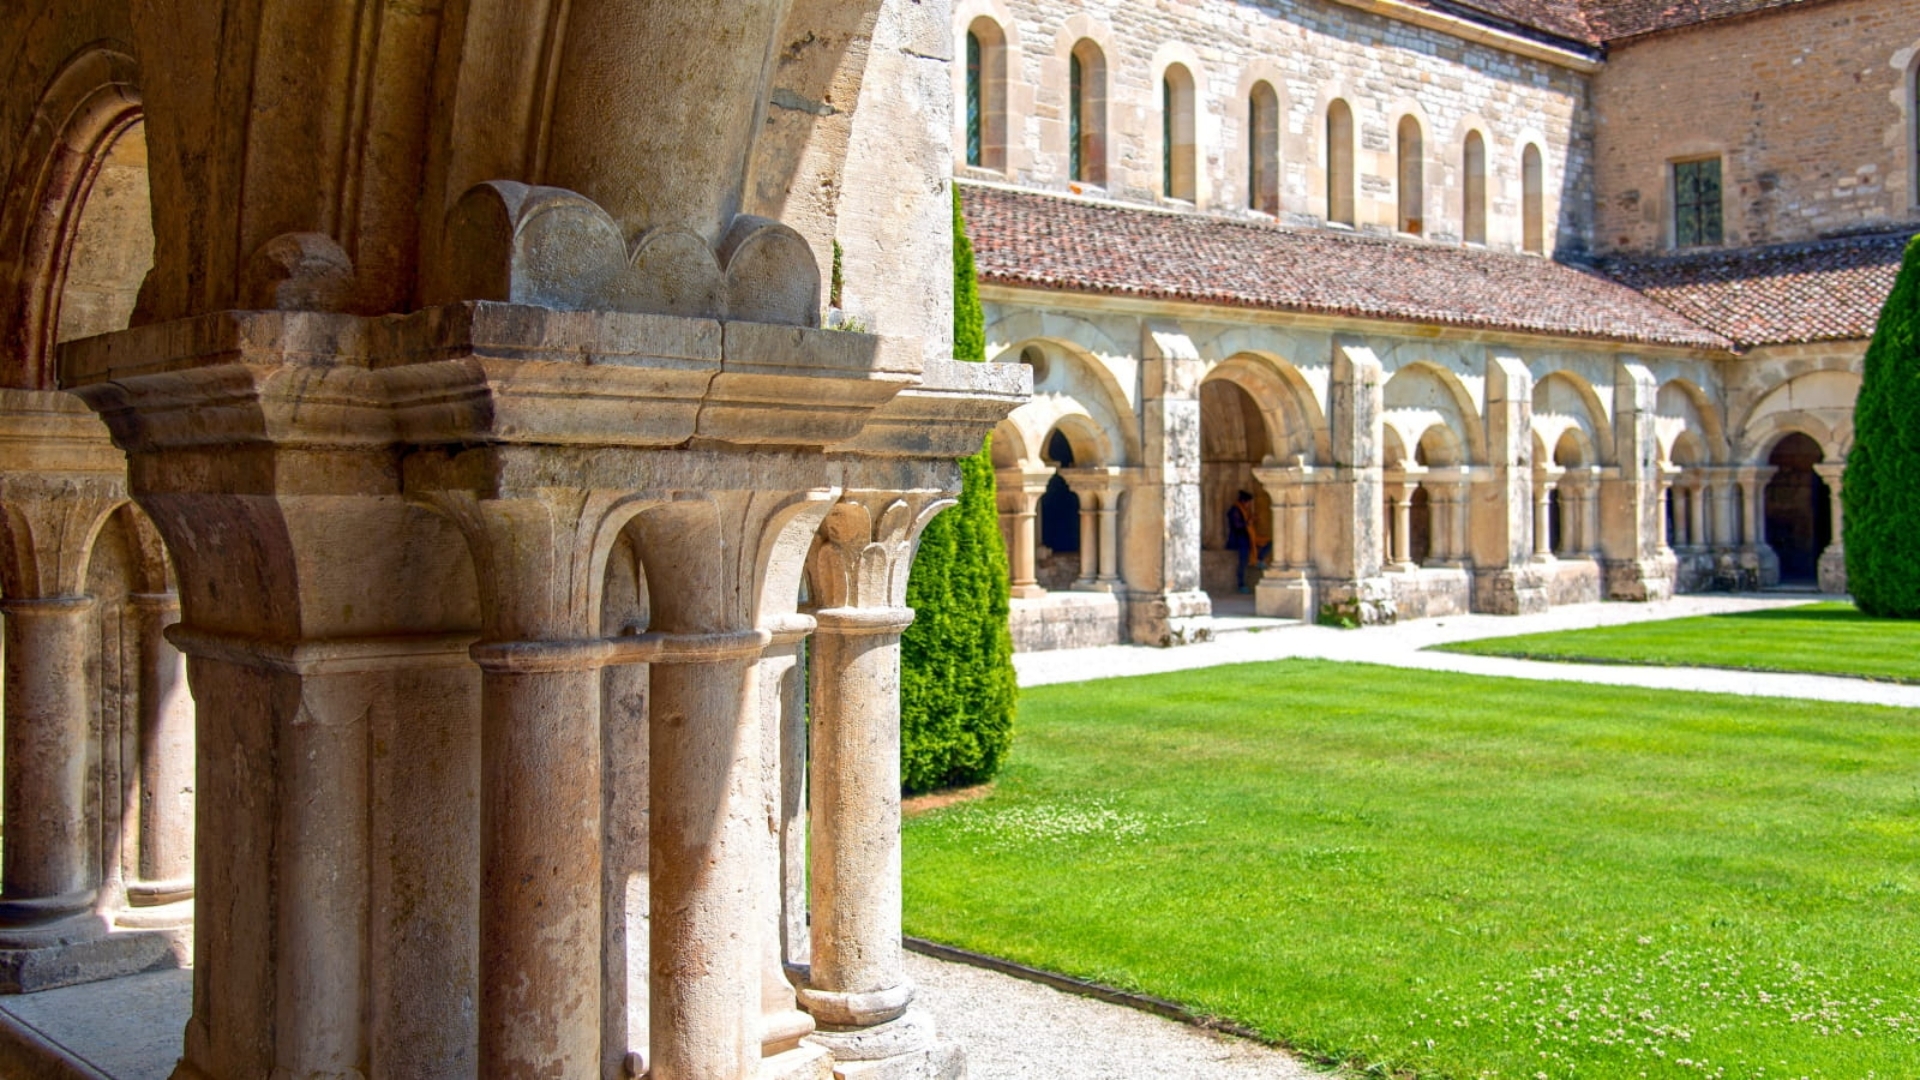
(1263, 150)
(1087, 113)
(1076, 115)
(1340, 163)
(1696, 202)
(1473, 182)
(986, 95)
(1177, 134)
(1533, 202)
(976, 103)
(1413, 177)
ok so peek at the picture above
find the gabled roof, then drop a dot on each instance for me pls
(1041, 241)
(1827, 290)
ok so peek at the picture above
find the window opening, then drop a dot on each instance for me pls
(1696, 203)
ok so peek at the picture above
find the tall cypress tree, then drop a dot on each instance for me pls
(1881, 533)
(956, 660)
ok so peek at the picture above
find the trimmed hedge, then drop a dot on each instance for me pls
(956, 663)
(1880, 489)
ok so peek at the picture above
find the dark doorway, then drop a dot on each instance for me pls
(1799, 509)
(1420, 527)
(1059, 507)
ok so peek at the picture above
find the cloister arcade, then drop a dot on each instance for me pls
(1466, 476)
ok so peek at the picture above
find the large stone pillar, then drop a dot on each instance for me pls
(1833, 561)
(1637, 562)
(1505, 512)
(856, 983)
(1349, 530)
(1165, 604)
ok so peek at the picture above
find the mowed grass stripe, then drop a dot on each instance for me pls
(1459, 876)
(1823, 639)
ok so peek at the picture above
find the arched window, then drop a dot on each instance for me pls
(1263, 150)
(1533, 201)
(1087, 113)
(1473, 173)
(1413, 177)
(1177, 140)
(986, 95)
(1340, 163)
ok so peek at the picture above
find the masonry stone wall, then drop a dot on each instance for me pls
(1311, 53)
(1810, 110)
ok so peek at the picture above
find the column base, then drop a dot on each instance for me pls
(1833, 570)
(1639, 580)
(101, 953)
(1168, 619)
(800, 1063)
(1512, 590)
(1026, 592)
(1362, 602)
(903, 1049)
(1284, 594)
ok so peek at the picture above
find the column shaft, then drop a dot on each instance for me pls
(708, 829)
(1089, 543)
(1403, 526)
(857, 977)
(1542, 519)
(166, 756)
(1023, 546)
(540, 924)
(51, 647)
(1109, 543)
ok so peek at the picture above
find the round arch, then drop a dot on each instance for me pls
(1421, 393)
(1074, 383)
(1563, 400)
(90, 103)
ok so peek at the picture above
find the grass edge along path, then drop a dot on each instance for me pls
(1827, 638)
(1458, 876)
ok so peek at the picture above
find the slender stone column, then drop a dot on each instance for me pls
(1725, 526)
(1462, 520)
(1590, 517)
(1109, 538)
(50, 871)
(1019, 490)
(707, 991)
(540, 857)
(781, 887)
(1543, 520)
(1697, 514)
(166, 757)
(1402, 496)
(1089, 543)
(857, 978)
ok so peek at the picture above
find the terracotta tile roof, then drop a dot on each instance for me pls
(1612, 20)
(1559, 18)
(1828, 290)
(1048, 242)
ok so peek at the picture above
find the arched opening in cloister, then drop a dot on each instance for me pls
(1059, 517)
(1799, 509)
(1233, 441)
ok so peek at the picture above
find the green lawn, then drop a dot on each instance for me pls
(1456, 876)
(1829, 639)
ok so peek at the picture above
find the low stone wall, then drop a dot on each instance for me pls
(1066, 620)
(1574, 581)
(1432, 593)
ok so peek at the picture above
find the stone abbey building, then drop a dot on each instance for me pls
(1491, 304)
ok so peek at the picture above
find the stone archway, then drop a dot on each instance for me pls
(1798, 508)
(1233, 442)
(1059, 525)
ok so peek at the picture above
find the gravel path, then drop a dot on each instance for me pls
(1401, 645)
(1017, 1030)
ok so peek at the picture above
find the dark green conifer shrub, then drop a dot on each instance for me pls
(1880, 489)
(956, 664)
